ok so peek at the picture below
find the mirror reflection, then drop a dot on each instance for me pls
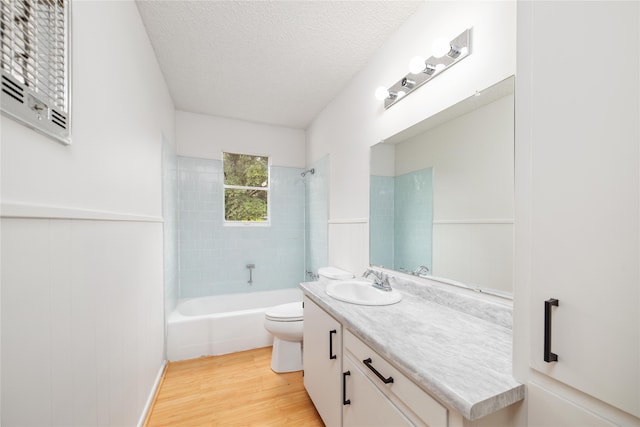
(441, 202)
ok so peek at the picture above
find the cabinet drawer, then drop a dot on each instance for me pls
(426, 408)
(368, 406)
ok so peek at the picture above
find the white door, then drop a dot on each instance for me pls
(583, 194)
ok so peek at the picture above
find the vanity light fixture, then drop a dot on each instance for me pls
(419, 65)
(444, 55)
(441, 47)
(383, 93)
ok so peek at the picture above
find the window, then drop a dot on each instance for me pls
(34, 62)
(246, 188)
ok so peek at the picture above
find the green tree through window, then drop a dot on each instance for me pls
(246, 187)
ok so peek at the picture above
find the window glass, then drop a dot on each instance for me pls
(246, 188)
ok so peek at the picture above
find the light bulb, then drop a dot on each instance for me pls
(440, 67)
(401, 93)
(440, 47)
(417, 65)
(464, 51)
(382, 93)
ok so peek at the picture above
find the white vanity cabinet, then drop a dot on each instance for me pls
(347, 392)
(375, 393)
(578, 212)
(322, 361)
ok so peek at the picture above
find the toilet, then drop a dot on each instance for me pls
(285, 323)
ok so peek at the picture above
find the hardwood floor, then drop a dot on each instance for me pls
(237, 389)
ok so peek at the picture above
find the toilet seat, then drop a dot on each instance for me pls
(291, 312)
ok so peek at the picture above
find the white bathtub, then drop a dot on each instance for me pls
(221, 324)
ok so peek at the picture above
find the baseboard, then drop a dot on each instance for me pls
(152, 395)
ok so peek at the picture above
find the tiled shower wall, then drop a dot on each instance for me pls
(213, 257)
(402, 220)
(170, 226)
(413, 220)
(381, 221)
(317, 215)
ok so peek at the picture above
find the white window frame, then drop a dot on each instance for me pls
(35, 57)
(266, 223)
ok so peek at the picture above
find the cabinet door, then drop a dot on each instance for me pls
(583, 205)
(547, 409)
(322, 357)
(367, 405)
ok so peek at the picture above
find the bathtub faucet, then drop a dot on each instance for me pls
(251, 267)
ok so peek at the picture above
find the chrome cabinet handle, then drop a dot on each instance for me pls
(331, 355)
(345, 401)
(378, 374)
(549, 356)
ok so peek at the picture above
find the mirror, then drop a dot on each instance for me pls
(441, 201)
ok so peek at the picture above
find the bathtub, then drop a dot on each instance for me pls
(222, 324)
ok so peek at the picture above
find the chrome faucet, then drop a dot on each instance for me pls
(380, 280)
(421, 271)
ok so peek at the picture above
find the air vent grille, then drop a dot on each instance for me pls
(59, 119)
(34, 63)
(24, 105)
(12, 89)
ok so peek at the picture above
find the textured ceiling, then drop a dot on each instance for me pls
(276, 62)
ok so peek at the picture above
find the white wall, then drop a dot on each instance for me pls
(120, 107)
(383, 160)
(82, 327)
(355, 120)
(472, 161)
(82, 312)
(205, 136)
(472, 157)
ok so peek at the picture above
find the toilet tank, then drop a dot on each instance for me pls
(329, 274)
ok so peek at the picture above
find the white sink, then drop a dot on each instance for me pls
(361, 292)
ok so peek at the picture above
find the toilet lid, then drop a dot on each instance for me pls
(286, 312)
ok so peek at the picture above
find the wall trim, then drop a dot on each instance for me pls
(348, 221)
(473, 221)
(152, 395)
(36, 211)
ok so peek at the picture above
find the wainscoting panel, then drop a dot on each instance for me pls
(82, 320)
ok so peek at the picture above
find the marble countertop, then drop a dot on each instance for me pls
(462, 360)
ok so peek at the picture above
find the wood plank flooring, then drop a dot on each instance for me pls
(238, 389)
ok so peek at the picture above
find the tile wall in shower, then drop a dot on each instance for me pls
(401, 220)
(413, 220)
(381, 235)
(170, 225)
(317, 215)
(213, 257)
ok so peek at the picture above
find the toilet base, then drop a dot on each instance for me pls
(286, 356)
